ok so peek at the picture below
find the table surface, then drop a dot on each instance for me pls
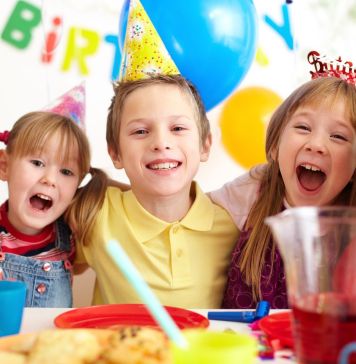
(37, 319)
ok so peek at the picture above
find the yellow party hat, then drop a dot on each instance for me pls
(144, 52)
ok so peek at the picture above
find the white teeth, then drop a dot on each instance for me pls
(167, 165)
(310, 167)
(44, 197)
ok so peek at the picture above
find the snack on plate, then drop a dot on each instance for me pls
(65, 347)
(136, 345)
(12, 358)
(129, 345)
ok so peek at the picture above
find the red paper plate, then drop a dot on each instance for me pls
(278, 326)
(106, 316)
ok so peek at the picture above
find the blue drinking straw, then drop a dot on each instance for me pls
(157, 310)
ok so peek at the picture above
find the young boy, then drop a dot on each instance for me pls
(157, 130)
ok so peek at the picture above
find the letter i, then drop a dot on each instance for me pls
(51, 41)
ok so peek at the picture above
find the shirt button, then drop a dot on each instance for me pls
(175, 229)
(41, 288)
(46, 267)
(179, 253)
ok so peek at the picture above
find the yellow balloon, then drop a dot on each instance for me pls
(243, 122)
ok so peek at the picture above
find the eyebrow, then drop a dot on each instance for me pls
(339, 122)
(170, 118)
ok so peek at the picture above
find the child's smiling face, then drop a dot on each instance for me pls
(41, 185)
(160, 147)
(317, 153)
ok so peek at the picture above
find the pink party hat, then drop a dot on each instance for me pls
(144, 52)
(71, 104)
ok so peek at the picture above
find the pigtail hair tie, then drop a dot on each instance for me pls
(4, 137)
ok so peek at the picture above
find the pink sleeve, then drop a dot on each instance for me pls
(237, 197)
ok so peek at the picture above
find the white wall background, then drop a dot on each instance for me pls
(27, 84)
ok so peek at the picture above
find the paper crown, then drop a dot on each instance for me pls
(144, 52)
(324, 67)
(71, 104)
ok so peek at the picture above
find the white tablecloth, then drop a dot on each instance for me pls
(36, 319)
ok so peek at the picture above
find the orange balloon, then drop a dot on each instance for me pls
(243, 122)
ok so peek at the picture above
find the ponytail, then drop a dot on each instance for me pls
(87, 201)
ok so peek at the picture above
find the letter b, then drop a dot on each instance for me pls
(22, 20)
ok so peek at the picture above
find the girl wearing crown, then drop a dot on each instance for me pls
(311, 160)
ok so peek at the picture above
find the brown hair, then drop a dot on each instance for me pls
(30, 134)
(272, 190)
(123, 89)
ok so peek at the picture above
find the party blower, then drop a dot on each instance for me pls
(158, 312)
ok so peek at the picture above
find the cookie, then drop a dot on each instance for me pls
(137, 345)
(65, 347)
(12, 358)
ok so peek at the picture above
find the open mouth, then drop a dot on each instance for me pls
(310, 177)
(41, 202)
(163, 166)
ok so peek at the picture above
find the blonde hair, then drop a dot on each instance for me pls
(123, 89)
(272, 189)
(30, 134)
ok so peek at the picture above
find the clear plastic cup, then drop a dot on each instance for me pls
(318, 246)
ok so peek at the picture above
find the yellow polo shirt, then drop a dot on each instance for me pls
(184, 262)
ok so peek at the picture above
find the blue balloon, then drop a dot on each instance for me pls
(212, 42)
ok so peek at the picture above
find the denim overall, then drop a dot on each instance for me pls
(48, 282)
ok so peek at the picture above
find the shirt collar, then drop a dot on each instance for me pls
(145, 226)
(17, 234)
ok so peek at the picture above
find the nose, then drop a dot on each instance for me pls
(316, 144)
(49, 177)
(161, 141)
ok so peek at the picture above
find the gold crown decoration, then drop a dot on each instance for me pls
(324, 67)
(144, 52)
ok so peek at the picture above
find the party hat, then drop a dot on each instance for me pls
(144, 52)
(71, 104)
(326, 67)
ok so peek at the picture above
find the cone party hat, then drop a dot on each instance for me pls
(71, 104)
(144, 52)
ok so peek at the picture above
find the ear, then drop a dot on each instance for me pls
(205, 149)
(115, 157)
(3, 165)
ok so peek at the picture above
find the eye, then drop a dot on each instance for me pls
(302, 127)
(37, 163)
(140, 132)
(67, 172)
(339, 137)
(179, 128)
